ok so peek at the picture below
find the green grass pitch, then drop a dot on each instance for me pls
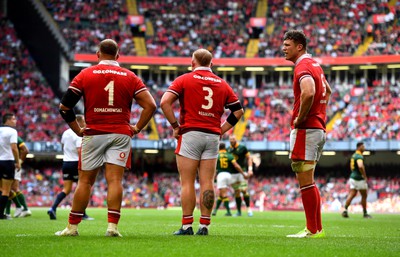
(148, 232)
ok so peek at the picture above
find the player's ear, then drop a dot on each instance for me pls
(117, 56)
(98, 54)
(211, 64)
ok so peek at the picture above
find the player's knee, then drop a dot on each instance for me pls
(302, 166)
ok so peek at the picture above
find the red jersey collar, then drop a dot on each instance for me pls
(302, 57)
(109, 62)
(203, 68)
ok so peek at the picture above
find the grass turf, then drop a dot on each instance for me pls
(148, 232)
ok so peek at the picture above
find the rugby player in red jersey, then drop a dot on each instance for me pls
(307, 137)
(203, 97)
(108, 91)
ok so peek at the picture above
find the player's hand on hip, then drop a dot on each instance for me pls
(176, 133)
(296, 122)
(80, 133)
(134, 129)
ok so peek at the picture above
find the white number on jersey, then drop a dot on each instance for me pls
(324, 84)
(208, 98)
(110, 89)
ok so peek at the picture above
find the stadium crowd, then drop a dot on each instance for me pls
(25, 92)
(28, 92)
(223, 27)
(337, 32)
(162, 190)
(85, 23)
(181, 27)
(372, 115)
(376, 116)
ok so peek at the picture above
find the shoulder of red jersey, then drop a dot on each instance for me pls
(302, 69)
(176, 84)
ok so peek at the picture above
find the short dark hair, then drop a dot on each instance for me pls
(222, 146)
(297, 36)
(109, 47)
(359, 144)
(7, 116)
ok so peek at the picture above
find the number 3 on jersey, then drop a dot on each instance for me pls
(208, 98)
(110, 89)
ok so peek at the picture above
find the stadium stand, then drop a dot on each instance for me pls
(371, 116)
(24, 91)
(85, 23)
(338, 32)
(271, 109)
(224, 27)
(180, 27)
(174, 31)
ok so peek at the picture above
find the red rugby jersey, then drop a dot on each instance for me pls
(203, 97)
(305, 66)
(108, 91)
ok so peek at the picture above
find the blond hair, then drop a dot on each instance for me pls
(203, 57)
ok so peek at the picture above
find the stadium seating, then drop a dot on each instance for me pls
(85, 23)
(223, 29)
(338, 32)
(24, 91)
(180, 27)
(371, 116)
(223, 26)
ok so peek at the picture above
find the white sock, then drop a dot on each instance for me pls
(112, 226)
(73, 226)
(203, 226)
(184, 227)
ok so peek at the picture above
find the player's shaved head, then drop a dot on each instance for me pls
(108, 47)
(203, 57)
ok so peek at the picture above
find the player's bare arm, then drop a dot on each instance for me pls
(361, 168)
(15, 152)
(72, 124)
(250, 164)
(23, 152)
(166, 105)
(238, 168)
(146, 101)
(307, 86)
(68, 102)
(227, 125)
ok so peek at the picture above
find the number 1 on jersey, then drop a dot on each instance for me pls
(110, 89)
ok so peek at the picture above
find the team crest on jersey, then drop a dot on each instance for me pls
(122, 155)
